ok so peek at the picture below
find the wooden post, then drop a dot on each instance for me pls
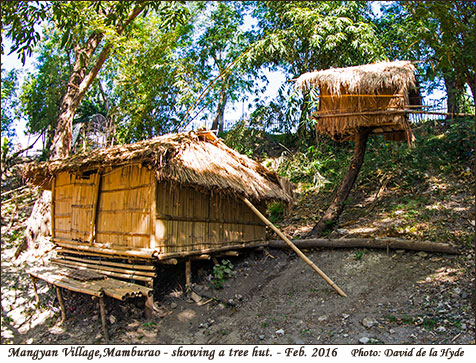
(188, 274)
(53, 195)
(37, 298)
(97, 182)
(102, 310)
(61, 303)
(153, 209)
(149, 302)
(293, 246)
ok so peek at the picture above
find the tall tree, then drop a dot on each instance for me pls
(441, 34)
(89, 29)
(217, 51)
(151, 79)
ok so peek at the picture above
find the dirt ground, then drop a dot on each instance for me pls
(273, 297)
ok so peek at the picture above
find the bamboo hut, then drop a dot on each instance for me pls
(171, 196)
(376, 95)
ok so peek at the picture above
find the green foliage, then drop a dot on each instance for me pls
(9, 103)
(221, 273)
(43, 90)
(276, 211)
(320, 167)
(358, 255)
(439, 33)
(151, 87)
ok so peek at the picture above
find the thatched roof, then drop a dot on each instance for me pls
(196, 159)
(373, 95)
(364, 79)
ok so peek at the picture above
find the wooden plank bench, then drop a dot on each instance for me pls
(90, 282)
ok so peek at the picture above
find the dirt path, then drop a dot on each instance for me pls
(272, 298)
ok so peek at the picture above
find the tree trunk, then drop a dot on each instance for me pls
(302, 130)
(79, 82)
(337, 206)
(220, 114)
(390, 243)
(454, 90)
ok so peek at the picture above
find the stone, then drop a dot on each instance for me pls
(261, 337)
(422, 254)
(441, 329)
(369, 322)
(280, 332)
(173, 305)
(195, 297)
(364, 340)
(322, 318)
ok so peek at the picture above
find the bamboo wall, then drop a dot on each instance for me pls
(124, 208)
(130, 209)
(356, 110)
(189, 220)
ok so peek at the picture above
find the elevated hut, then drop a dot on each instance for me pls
(356, 102)
(171, 196)
(376, 96)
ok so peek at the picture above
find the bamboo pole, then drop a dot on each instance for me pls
(108, 263)
(188, 274)
(142, 253)
(293, 246)
(102, 310)
(99, 267)
(164, 256)
(61, 303)
(124, 275)
(53, 196)
(96, 190)
(383, 243)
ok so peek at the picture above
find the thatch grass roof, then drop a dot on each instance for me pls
(364, 79)
(196, 159)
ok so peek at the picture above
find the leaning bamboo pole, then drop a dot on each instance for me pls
(293, 246)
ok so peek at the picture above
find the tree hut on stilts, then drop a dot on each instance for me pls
(357, 102)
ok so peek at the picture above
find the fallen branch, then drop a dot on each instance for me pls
(394, 243)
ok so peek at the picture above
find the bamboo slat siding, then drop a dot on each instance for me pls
(189, 220)
(124, 207)
(134, 211)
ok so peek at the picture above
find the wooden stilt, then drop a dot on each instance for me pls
(37, 298)
(102, 310)
(61, 303)
(293, 246)
(149, 302)
(188, 274)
